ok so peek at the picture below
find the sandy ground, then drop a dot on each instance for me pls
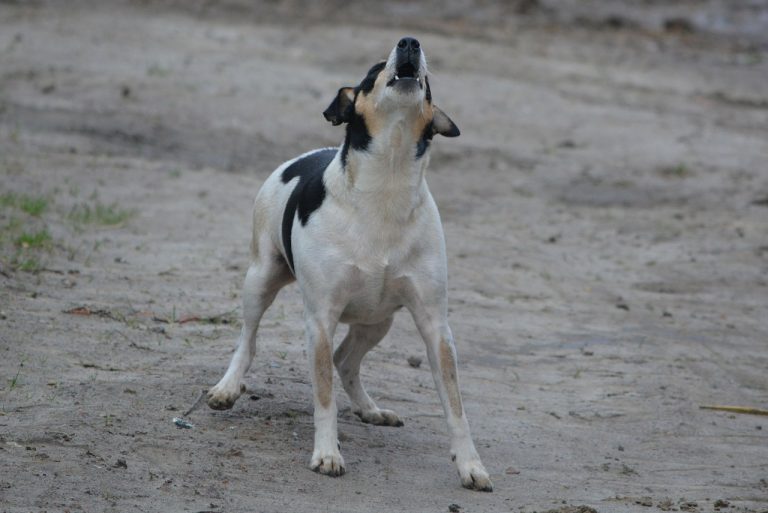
(606, 213)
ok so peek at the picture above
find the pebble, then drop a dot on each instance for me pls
(414, 361)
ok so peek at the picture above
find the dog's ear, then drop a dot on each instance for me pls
(443, 125)
(338, 111)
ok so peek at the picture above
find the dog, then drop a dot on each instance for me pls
(357, 228)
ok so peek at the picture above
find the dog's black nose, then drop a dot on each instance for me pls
(409, 44)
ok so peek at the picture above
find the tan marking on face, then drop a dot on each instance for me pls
(450, 381)
(323, 372)
(366, 107)
(423, 120)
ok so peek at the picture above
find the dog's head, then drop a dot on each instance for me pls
(397, 88)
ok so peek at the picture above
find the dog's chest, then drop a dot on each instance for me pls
(373, 293)
(377, 257)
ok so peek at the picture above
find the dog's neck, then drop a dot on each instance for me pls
(387, 175)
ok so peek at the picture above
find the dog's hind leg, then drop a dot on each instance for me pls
(267, 274)
(347, 357)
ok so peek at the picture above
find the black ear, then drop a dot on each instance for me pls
(338, 111)
(443, 125)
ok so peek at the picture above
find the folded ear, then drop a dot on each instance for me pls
(337, 112)
(442, 124)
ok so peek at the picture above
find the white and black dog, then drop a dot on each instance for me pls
(358, 229)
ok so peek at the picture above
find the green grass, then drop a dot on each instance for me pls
(38, 239)
(27, 265)
(14, 381)
(24, 237)
(8, 200)
(29, 244)
(99, 213)
(32, 205)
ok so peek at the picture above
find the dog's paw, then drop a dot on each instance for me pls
(380, 418)
(223, 398)
(329, 463)
(474, 476)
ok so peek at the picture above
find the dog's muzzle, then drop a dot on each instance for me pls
(407, 64)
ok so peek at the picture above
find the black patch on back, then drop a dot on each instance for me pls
(308, 194)
(426, 138)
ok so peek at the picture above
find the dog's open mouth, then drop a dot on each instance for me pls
(406, 70)
(406, 77)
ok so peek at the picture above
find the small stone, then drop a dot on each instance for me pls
(454, 508)
(121, 463)
(414, 361)
(644, 501)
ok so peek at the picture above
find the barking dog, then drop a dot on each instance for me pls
(358, 229)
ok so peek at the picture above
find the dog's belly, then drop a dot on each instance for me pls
(372, 297)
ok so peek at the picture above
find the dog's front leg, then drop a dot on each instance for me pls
(326, 457)
(432, 323)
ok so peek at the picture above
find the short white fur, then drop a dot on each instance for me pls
(375, 245)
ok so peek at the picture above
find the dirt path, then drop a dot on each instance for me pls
(607, 224)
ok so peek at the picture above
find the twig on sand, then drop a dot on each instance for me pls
(734, 409)
(198, 403)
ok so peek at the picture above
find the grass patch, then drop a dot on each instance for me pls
(32, 205)
(38, 239)
(8, 200)
(99, 213)
(27, 265)
(23, 236)
(14, 381)
(28, 247)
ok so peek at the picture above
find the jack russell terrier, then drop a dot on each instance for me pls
(358, 229)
